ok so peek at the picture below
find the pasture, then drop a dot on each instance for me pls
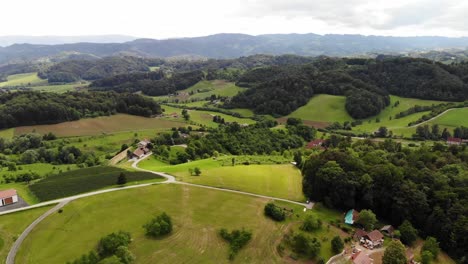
(7, 133)
(451, 119)
(101, 125)
(85, 180)
(197, 215)
(277, 180)
(23, 79)
(58, 88)
(12, 225)
(323, 108)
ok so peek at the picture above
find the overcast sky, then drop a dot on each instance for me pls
(188, 18)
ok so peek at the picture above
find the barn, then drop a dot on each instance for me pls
(8, 197)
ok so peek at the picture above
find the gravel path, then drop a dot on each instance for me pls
(435, 117)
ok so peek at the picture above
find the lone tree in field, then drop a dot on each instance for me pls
(367, 219)
(337, 244)
(122, 179)
(274, 212)
(197, 171)
(395, 253)
(237, 239)
(159, 226)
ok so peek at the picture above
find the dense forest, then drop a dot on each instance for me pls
(366, 83)
(74, 70)
(32, 108)
(151, 83)
(426, 186)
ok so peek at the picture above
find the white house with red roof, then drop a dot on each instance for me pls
(8, 197)
(454, 141)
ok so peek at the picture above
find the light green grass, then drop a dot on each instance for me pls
(23, 79)
(277, 180)
(12, 225)
(101, 125)
(154, 68)
(59, 88)
(204, 117)
(323, 108)
(243, 111)
(7, 133)
(23, 191)
(197, 215)
(453, 118)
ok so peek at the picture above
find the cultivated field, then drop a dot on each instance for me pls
(204, 89)
(85, 180)
(197, 214)
(277, 180)
(23, 79)
(12, 225)
(101, 125)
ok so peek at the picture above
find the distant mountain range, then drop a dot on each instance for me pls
(55, 40)
(231, 46)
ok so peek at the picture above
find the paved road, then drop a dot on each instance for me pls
(62, 202)
(436, 116)
(14, 249)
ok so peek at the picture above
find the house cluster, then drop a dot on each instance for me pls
(316, 144)
(360, 257)
(142, 149)
(456, 141)
(371, 240)
(8, 197)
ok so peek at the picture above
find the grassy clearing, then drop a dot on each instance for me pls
(12, 225)
(59, 88)
(204, 117)
(84, 180)
(23, 79)
(101, 125)
(323, 108)
(277, 180)
(453, 118)
(197, 215)
(243, 111)
(7, 133)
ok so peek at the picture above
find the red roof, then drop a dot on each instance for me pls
(375, 235)
(361, 258)
(315, 143)
(359, 233)
(458, 140)
(139, 152)
(7, 193)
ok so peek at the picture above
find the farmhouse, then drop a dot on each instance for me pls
(359, 234)
(454, 141)
(315, 144)
(351, 216)
(142, 150)
(361, 258)
(387, 230)
(373, 239)
(8, 197)
(144, 143)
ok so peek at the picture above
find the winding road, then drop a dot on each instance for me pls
(63, 201)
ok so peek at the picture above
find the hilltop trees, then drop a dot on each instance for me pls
(367, 219)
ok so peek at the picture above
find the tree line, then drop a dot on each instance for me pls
(34, 108)
(425, 186)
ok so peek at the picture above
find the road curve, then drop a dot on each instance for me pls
(448, 110)
(63, 201)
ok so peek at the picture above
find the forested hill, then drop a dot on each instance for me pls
(35, 108)
(237, 45)
(366, 83)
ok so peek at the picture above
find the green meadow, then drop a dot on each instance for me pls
(323, 108)
(453, 118)
(277, 180)
(197, 215)
(23, 79)
(204, 89)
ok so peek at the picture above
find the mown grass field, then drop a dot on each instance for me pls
(323, 108)
(7, 133)
(101, 125)
(204, 117)
(204, 89)
(85, 180)
(277, 180)
(23, 79)
(197, 215)
(12, 225)
(58, 88)
(453, 118)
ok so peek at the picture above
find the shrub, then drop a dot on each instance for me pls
(303, 244)
(311, 223)
(274, 212)
(108, 245)
(337, 244)
(237, 239)
(159, 226)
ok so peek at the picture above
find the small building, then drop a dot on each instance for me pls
(317, 143)
(8, 197)
(454, 141)
(361, 258)
(144, 143)
(351, 216)
(387, 230)
(359, 234)
(373, 239)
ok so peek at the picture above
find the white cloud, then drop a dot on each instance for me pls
(179, 18)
